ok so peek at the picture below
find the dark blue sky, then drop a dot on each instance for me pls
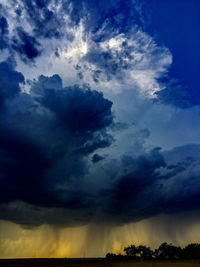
(175, 24)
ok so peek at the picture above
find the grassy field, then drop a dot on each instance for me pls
(91, 263)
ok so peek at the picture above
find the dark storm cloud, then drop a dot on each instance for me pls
(44, 162)
(3, 26)
(49, 139)
(98, 142)
(22, 167)
(96, 158)
(3, 32)
(44, 144)
(26, 46)
(9, 82)
(83, 110)
(148, 185)
(139, 174)
(52, 138)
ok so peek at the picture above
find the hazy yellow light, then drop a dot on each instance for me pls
(95, 240)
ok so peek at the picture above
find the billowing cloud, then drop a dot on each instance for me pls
(94, 128)
(49, 169)
(101, 48)
(40, 164)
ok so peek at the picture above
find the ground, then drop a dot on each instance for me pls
(92, 263)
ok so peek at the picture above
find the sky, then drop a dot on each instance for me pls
(99, 125)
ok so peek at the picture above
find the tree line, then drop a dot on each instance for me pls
(164, 252)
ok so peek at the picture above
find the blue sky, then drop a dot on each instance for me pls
(176, 26)
(99, 106)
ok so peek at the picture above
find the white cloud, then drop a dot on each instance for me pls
(145, 62)
(137, 57)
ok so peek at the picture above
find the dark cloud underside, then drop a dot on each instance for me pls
(71, 154)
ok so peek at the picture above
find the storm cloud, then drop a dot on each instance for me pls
(42, 165)
(10, 82)
(92, 124)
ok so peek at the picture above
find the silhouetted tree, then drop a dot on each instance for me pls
(163, 252)
(131, 251)
(192, 251)
(144, 252)
(110, 256)
(168, 252)
(140, 252)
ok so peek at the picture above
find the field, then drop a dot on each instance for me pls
(91, 263)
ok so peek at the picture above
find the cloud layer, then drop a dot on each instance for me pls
(92, 125)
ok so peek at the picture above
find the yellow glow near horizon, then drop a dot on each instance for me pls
(95, 240)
